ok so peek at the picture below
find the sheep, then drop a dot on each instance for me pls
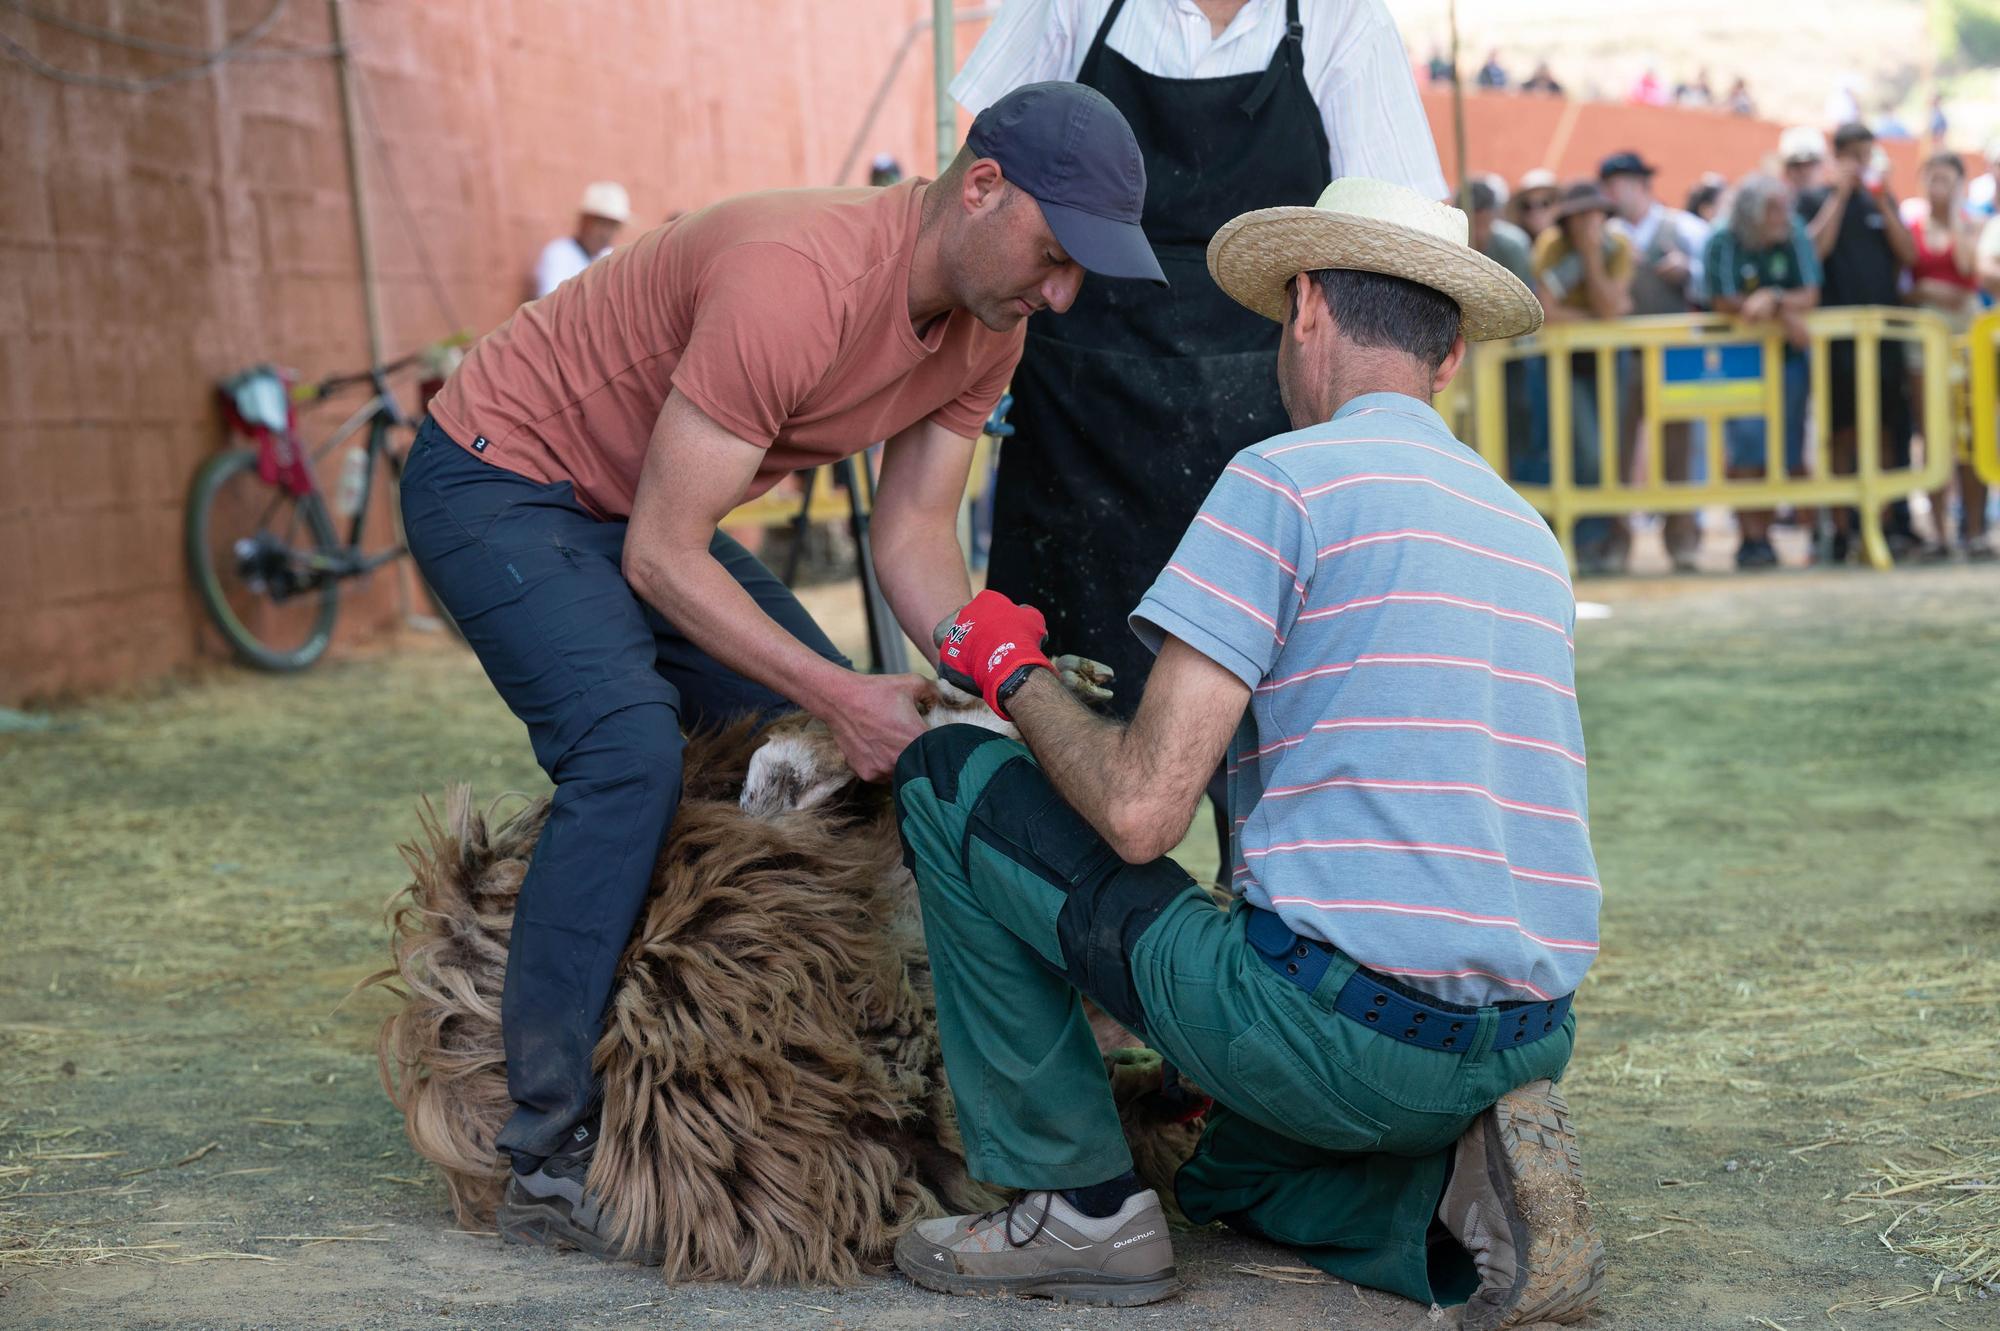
(775, 1105)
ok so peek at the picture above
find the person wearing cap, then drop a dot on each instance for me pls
(1802, 158)
(601, 215)
(1864, 250)
(563, 497)
(1583, 270)
(1666, 272)
(1131, 402)
(1533, 207)
(1375, 629)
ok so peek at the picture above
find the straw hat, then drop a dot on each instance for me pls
(1375, 227)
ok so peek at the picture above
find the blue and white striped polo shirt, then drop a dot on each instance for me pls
(1408, 783)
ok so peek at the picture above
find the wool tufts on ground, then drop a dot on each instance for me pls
(775, 1102)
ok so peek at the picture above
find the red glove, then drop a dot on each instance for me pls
(989, 647)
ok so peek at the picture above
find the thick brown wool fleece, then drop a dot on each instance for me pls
(775, 1101)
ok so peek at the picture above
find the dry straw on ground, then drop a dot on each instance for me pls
(1878, 1046)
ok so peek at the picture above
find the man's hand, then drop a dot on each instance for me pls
(1672, 267)
(1846, 175)
(876, 719)
(1760, 305)
(988, 644)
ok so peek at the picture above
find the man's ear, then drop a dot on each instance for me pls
(1308, 307)
(1448, 368)
(982, 186)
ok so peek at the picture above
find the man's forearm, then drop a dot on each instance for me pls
(1606, 300)
(1094, 767)
(696, 594)
(1901, 243)
(922, 572)
(1825, 225)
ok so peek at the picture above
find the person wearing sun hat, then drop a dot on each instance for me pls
(1583, 270)
(1374, 629)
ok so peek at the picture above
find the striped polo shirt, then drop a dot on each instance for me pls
(1408, 781)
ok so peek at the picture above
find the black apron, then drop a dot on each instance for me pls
(1127, 407)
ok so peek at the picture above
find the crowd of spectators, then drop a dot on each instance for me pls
(1649, 89)
(1824, 227)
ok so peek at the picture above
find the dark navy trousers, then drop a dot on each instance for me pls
(605, 687)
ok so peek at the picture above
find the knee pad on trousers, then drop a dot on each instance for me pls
(939, 756)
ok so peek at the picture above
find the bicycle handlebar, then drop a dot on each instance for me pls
(313, 392)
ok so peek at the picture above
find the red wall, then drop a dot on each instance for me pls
(150, 244)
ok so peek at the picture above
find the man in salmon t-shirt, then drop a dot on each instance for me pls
(563, 497)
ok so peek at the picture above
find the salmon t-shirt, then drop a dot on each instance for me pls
(784, 316)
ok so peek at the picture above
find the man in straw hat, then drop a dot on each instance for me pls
(562, 500)
(1377, 631)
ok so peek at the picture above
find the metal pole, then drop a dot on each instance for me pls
(944, 62)
(1464, 190)
(350, 120)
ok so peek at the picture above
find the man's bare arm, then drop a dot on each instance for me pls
(1610, 297)
(918, 559)
(1901, 243)
(695, 472)
(1825, 225)
(1138, 785)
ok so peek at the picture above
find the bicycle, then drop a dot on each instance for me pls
(262, 548)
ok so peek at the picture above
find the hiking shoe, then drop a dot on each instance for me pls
(1040, 1246)
(1516, 1202)
(548, 1207)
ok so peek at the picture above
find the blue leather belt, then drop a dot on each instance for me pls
(1396, 1010)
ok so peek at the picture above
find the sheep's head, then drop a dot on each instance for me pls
(799, 765)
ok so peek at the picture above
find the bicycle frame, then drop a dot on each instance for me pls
(379, 414)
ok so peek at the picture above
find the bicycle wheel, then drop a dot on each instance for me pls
(259, 555)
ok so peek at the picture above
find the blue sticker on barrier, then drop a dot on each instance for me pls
(1714, 363)
(1715, 376)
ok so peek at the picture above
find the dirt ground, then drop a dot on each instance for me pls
(1787, 1078)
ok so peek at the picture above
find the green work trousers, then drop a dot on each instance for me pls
(1328, 1136)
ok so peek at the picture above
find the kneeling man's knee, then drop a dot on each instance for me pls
(939, 757)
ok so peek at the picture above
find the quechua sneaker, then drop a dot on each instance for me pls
(1042, 1247)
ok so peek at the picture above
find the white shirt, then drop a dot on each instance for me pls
(1687, 233)
(562, 259)
(1355, 67)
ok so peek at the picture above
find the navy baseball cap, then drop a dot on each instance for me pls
(1625, 164)
(1071, 150)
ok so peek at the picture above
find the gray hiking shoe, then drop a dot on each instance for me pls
(1516, 1202)
(548, 1207)
(1040, 1246)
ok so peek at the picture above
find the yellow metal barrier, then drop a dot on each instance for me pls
(1982, 349)
(1709, 385)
